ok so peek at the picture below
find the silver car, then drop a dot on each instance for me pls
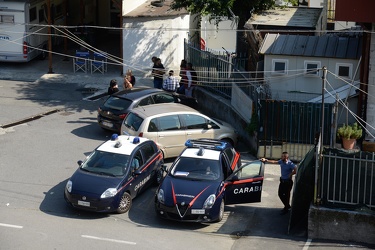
(171, 124)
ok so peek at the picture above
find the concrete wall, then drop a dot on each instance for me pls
(216, 106)
(371, 89)
(333, 224)
(144, 37)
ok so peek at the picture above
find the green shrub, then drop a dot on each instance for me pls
(350, 131)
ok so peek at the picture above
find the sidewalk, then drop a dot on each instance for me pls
(37, 71)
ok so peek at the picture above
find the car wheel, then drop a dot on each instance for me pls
(221, 211)
(158, 176)
(43, 55)
(125, 203)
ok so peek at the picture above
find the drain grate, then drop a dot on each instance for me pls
(32, 118)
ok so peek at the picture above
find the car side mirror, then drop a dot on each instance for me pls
(79, 162)
(234, 178)
(164, 168)
(208, 126)
(137, 172)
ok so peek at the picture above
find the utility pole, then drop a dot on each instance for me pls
(49, 38)
(319, 162)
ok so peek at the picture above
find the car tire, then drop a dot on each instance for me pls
(158, 176)
(221, 211)
(125, 203)
(43, 54)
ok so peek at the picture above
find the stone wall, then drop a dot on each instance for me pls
(342, 225)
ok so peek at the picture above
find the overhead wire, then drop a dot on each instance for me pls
(360, 121)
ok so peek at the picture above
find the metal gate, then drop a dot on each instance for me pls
(292, 127)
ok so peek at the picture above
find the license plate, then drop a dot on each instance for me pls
(197, 211)
(107, 124)
(84, 203)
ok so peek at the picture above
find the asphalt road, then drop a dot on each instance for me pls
(38, 155)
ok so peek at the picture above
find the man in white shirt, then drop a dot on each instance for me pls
(170, 84)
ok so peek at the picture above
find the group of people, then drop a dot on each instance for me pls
(184, 84)
(128, 83)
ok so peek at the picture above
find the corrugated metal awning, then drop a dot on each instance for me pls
(331, 46)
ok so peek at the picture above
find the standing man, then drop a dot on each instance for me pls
(170, 83)
(288, 169)
(157, 73)
(191, 81)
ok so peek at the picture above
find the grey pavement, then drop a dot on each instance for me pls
(62, 72)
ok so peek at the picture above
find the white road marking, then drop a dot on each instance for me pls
(106, 239)
(307, 244)
(8, 225)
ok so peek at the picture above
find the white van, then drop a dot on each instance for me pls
(23, 28)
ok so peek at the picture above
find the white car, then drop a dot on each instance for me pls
(171, 124)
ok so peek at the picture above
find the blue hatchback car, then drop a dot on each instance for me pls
(115, 173)
(205, 177)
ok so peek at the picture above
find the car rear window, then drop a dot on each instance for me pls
(116, 103)
(133, 121)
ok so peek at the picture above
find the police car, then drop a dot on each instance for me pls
(114, 173)
(205, 177)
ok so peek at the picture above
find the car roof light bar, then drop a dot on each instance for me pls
(206, 144)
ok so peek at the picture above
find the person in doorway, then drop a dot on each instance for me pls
(157, 73)
(170, 83)
(129, 79)
(113, 88)
(288, 169)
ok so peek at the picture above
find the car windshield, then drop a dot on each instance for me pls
(197, 169)
(106, 163)
(116, 103)
(133, 121)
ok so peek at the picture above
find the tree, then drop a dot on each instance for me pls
(222, 8)
(218, 9)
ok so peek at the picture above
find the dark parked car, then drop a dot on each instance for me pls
(207, 176)
(113, 111)
(115, 173)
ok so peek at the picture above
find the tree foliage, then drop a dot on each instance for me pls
(241, 8)
(222, 8)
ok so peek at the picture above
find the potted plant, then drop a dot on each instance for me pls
(349, 134)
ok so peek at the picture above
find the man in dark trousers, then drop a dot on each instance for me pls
(158, 71)
(288, 169)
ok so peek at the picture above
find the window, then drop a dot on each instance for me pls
(344, 70)
(41, 16)
(170, 122)
(32, 14)
(194, 121)
(6, 19)
(279, 66)
(146, 101)
(312, 68)
(163, 98)
(148, 151)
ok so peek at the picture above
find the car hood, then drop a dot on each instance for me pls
(188, 191)
(90, 183)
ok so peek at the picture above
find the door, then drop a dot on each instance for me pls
(245, 184)
(197, 127)
(171, 136)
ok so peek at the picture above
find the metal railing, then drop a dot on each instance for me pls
(348, 179)
(217, 71)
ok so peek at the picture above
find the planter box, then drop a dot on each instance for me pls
(368, 146)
